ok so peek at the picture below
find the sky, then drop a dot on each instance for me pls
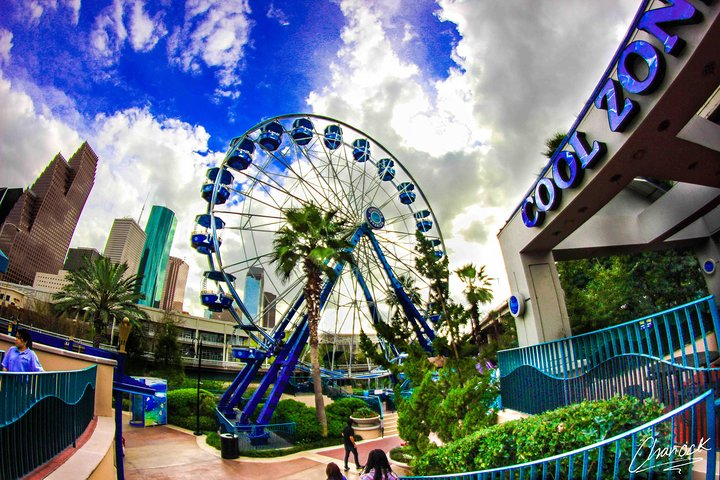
(463, 92)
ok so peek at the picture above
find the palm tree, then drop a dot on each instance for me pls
(477, 291)
(311, 238)
(100, 291)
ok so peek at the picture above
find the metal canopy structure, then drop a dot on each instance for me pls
(639, 170)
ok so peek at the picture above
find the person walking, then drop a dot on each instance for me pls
(333, 472)
(348, 435)
(378, 467)
(21, 358)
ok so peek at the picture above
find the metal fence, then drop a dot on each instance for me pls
(648, 451)
(678, 335)
(41, 414)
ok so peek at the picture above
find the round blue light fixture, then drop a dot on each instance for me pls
(708, 266)
(516, 305)
(375, 218)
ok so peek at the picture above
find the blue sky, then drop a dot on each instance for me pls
(463, 92)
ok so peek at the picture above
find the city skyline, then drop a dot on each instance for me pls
(440, 84)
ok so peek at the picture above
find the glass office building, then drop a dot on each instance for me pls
(160, 230)
(254, 282)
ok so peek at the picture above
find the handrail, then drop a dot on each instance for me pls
(21, 391)
(679, 334)
(540, 467)
(41, 414)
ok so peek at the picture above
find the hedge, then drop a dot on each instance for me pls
(540, 436)
(182, 404)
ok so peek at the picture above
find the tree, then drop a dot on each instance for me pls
(168, 357)
(312, 239)
(102, 294)
(477, 291)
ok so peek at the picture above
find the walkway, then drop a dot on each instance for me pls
(165, 453)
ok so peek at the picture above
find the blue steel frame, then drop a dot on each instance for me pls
(287, 355)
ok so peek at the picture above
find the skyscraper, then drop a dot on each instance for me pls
(37, 230)
(160, 230)
(269, 314)
(125, 244)
(77, 257)
(254, 283)
(175, 283)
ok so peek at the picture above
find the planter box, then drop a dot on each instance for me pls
(367, 428)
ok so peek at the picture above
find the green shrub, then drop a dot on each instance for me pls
(541, 436)
(343, 408)
(307, 428)
(364, 412)
(182, 404)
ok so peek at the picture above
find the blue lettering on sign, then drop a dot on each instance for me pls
(567, 167)
(547, 197)
(620, 109)
(532, 217)
(579, 144)
(566, 170)
(679, 12)
(655, 64)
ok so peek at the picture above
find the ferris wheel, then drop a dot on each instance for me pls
(288, 162)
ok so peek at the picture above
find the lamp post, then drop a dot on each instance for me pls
(123, 335)
(198, 351)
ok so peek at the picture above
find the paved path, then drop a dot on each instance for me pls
(165, 453)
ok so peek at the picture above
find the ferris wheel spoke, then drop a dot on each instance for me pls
(299, 178)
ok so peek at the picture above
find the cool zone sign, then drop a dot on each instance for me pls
(567, 167)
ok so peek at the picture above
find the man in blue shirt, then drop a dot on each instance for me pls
(21, 358)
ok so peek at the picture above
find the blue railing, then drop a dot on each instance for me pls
(643, 452)
(41, 414)
(679, 335)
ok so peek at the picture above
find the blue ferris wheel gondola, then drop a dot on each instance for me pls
(271, 136)
(216, 301)
(407, 196)
(226, 178)
(203, 243)
(241, 154)
(302, 131)
(218, 276)
(333, 136)
(385, 169)
(361, 150)
(206, 220)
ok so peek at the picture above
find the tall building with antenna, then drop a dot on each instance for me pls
(159, 231)
(125, 244)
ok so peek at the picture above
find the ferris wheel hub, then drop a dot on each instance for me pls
(375, 218)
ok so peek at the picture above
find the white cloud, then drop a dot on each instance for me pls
(6, 44)
(35, 9)
(213, 35)
(473, 140)
(108, 34)
(138, 154)
(29, 136)
(125, 21)
(278, 15)
(145, 31)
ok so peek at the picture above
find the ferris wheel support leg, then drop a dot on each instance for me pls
(389, 349)
(234, 393)
(288, 367)
(423, 331)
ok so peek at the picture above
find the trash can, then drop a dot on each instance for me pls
(229, 448)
